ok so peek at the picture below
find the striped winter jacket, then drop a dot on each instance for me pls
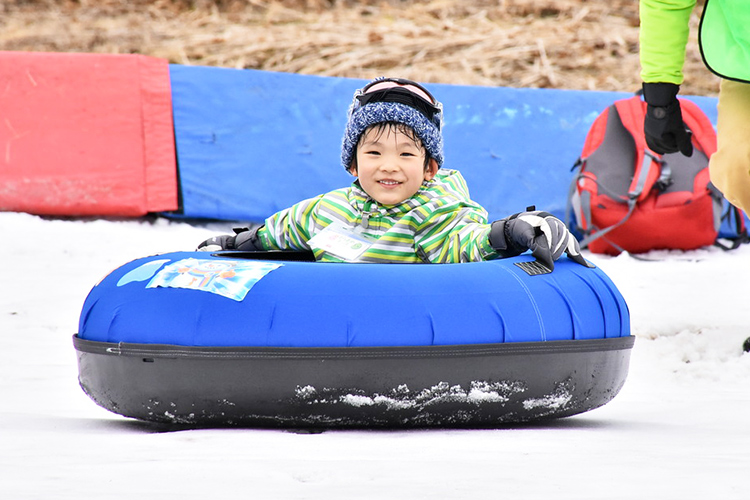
(439, 224)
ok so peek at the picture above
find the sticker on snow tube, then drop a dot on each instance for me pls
(228, 278)
(142, 273)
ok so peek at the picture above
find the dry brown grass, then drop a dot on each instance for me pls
(572, 44)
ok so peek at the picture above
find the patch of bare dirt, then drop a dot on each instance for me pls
(570, 44)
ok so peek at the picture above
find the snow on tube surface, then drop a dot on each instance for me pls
(271, 339)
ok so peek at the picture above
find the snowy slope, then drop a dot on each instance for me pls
(679, 428)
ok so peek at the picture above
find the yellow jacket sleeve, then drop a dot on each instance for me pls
(663, 37)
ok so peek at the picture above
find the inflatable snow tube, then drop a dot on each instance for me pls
(271, 339)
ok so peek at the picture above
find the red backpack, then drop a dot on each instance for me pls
(625, 197)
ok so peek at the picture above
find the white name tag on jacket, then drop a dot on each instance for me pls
(341, 242)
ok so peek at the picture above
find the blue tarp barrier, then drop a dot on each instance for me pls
(250, 143)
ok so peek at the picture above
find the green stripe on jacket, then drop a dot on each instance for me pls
(439, 224)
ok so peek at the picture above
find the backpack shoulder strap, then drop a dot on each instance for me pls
(632, 112)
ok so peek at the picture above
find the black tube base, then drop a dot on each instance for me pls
(483, 385)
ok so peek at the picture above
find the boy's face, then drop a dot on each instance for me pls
(390, 165)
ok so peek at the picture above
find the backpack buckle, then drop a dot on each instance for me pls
(665, 178)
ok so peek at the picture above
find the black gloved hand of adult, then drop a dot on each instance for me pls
(243, 239)
(541, 232)
(663, 126)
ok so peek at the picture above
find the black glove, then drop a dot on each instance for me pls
(665, 131)
(541, 232)
(244, 239)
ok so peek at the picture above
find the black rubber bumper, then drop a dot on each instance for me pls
(446, 386)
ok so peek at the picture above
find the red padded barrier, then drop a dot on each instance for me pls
(86, 134)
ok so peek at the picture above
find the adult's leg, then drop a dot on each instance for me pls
(730, 166)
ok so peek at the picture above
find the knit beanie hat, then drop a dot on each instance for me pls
(394, 104)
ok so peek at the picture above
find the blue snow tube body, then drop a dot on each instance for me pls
(310, 304)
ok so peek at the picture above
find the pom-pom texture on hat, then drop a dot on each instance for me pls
(361, 117)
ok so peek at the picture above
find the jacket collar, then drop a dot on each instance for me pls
(364, 203)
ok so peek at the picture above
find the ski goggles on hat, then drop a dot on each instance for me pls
(401, 91)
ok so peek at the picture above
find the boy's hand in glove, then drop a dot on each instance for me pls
(217, 243)
(243, 239)
(663, 126)
(541, 232)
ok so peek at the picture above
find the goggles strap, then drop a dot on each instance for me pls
(402, 96)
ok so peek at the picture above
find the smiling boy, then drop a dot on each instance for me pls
(403, 207)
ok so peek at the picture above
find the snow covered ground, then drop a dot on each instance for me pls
(680, 428)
